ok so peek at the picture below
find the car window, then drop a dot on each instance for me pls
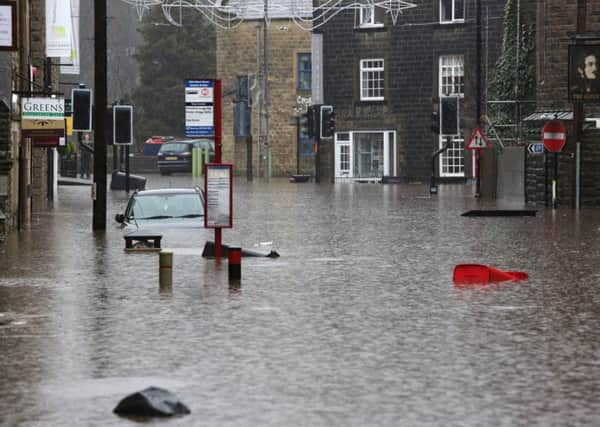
(166, 205)
(174, 147)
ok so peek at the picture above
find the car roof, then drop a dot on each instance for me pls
(175, 141)
(159, 191)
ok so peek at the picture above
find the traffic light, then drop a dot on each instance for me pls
(242, 114)
(81, 105)
(450, 115)
(435, 122)
(122, 125)
(327, 121)
(307, 121)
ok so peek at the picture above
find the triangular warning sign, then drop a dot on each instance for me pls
(477, 141)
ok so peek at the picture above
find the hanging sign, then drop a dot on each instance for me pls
(477, 141)
(58, 28)
(43, 117)
(70, 64)
(8, 26)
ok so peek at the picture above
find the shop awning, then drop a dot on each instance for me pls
(549, 115)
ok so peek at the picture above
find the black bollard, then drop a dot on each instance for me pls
(234, 256)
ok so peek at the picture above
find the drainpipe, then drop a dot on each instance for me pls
(578, 105)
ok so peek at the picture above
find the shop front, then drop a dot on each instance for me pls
(365, 155)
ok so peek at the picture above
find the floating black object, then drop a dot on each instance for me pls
(151, 402)
(299, 178)
(209, 252)
(118, 181)
(501, 212)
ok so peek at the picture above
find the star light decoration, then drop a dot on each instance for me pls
(230, 13)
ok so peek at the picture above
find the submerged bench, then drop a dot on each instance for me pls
(142, 241)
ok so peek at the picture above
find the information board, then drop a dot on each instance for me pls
(218, 194)
(199, 108)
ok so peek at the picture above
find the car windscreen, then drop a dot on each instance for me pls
(163, 206)
(173, 147)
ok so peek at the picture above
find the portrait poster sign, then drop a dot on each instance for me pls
(8, 26)
(584, 73)
(218, 203)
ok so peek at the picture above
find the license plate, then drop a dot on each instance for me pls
(171, 158)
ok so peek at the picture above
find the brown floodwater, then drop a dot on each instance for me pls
(357, 323)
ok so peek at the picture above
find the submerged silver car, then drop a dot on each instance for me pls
(163, 209)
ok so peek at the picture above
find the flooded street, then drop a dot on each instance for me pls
(357, 323)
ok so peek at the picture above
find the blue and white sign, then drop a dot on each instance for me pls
(535, 148)
(199, 108)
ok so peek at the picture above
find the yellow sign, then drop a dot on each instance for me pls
(41, 124)
(69, 125)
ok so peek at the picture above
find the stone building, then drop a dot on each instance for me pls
(561, 26)
(385, 81)
(23, 165)
(240, 54)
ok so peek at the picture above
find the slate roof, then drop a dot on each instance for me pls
(278, 9)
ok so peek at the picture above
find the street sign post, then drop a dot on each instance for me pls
(554, 137)
(199, 108)
(477, 142)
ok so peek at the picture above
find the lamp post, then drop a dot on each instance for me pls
(100, 101)
(265, 110)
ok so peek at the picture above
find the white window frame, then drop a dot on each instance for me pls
(344, 145)
(365, 77)
(451, 84)
(371, 22)
(453, 18)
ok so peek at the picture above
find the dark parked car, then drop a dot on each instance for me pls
(163, 209)
(176, 156)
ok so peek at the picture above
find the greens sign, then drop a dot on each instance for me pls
(43, 117)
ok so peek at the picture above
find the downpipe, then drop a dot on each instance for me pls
(433, 189)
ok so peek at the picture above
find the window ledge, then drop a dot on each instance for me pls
(367, 102)
(371, 29)
(460, 23)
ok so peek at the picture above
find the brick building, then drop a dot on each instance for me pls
(559, 26)
(239, 57)
(386, 80)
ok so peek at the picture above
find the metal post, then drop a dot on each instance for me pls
(265, 100)
(100, 100)
(555, 182)
(218, 157)
(249, 158)
(127, 168)
(298, 145)
(578, 176)
(478, 175)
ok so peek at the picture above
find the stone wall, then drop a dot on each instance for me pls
(39, 159)
(5, 167)
(240, 52)
(540, 171)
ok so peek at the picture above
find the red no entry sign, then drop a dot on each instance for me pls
(554, 136)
